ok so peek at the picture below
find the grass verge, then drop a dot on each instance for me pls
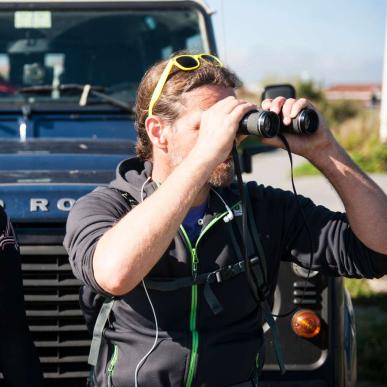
(371, 325)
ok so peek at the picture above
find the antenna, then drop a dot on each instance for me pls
(223, 27)
(383, 108)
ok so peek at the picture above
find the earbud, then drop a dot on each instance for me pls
(229, 217)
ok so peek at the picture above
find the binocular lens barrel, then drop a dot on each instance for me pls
(268, 124)
(260, 123)
(306, 122)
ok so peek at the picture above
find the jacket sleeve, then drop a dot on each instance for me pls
(91, 216)
(336, 249)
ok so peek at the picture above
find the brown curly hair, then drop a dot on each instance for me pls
(178, 83)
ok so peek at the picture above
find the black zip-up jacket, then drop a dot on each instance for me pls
(196, 347)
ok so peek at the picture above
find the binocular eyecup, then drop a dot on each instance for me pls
(268, 124)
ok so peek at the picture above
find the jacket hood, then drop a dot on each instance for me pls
(132, 175)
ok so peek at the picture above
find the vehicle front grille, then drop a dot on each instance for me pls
(54, 316)
(306, 293)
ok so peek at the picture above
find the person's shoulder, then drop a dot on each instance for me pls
(102, 194)
(102, 199)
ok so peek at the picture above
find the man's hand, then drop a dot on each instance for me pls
(365, 203)
(310, 146)
(218, 127)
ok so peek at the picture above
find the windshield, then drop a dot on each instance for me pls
(109, 49)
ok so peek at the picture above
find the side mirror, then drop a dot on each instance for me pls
(284, 90)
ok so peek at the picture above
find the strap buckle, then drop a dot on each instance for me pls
(214, 276)
(218, 276)
(226, 272)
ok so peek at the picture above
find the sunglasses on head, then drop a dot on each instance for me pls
(183, 62)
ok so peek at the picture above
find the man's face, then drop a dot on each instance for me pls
(185, 130)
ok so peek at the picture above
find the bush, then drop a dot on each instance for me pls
(357, 130)
(358, 287)
(309, 90)
(373, 161)
(371, 344)
(371, 330)
(337, 112)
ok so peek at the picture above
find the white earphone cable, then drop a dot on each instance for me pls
(230, 216)
(142, 361)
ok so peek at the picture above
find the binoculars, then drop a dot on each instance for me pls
(268, 124)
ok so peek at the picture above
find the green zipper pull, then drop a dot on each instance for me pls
(112, 364)
(195, 262)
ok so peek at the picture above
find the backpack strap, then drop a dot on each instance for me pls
(268, 317)
(216, 276)
(206, 279)
(255, 235)
(99, 327)
(254, 247)
(106, 307)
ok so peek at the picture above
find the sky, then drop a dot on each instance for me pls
(331, 41)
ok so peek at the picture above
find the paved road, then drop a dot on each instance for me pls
(273, 168)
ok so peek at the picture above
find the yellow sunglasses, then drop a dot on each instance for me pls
(183, 62)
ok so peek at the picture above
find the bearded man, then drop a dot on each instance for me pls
(154, 238)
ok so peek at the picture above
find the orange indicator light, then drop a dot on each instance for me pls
(306, 323)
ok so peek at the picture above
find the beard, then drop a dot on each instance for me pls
(222, 175)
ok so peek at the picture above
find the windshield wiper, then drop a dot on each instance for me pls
(86, 90)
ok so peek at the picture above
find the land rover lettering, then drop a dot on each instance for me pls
(38, 205)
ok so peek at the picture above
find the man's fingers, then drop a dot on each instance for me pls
(266, 103)
(240, 110)
(275, 105)
(290, 107)
(225, 105)
(286, 110)
(300, 104)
